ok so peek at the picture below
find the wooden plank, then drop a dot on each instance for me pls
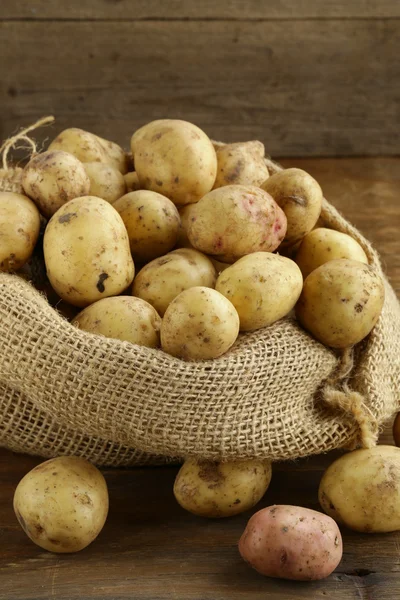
(207, 9)
(306, 88)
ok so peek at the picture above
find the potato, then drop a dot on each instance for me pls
(183, 240)
(221, 489)
(396, 430)
(300, 197)
(199, 324)
(116, 156)
(174, 158)
(291, 542)
(160, 281)
(341, 302)
(236, 220)
(322, 245)
(362, 489)
(62, 504)
(53, 178)
(219, 266)
(152, 222)
(124, 318)
(263, 287)
(241, 164)
(105, 181)
(86, 251)
(19, 230)
(132, 182)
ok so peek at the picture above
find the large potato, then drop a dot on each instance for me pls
(86, 251)
(53, 178)
(362, 489)
(236, 220)
(152, 222)
(174, 158)
(322, 245)
(199, 324)
(341, 301)
(161, 280)
(124, 318)
(19, 230)
(241, 164)
(292, 542)
(300, 197)
(105, 181)
(263, 287)
(62, 504)
(221, 489)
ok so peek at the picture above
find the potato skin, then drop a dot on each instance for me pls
(199, 324)
(236, 220)
(263, 287)
(300, 197)
(86, 251)
(241, 164)
(361, 489)
(124, 318)
(62, 504)
(53, 178)
(174, 158)
(341, 302)
(152, 222)
(105, 181)
(132, 182)
(221, 489)
(19, 230)
(184, 214)
(291, 542)
(161, 280)
(322, 245)
(116, 156)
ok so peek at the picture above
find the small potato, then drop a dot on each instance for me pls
(221, 489)
(86, 251)
(105, 181)
(161, 280)
(300, 197)
(124, 318)
(362, 489)
(396, 430)
(183, 240)
(341, 302)
(291, 542)
(236, 220)
(116, 156)
(132, 182)
(219, 266)
(263, 287)
(62, 504)
(199, 324)
(152, 222)
(19, 230)
(83, 145)
(174, 158)
(53, 178)
(322, 245)
(241, 164)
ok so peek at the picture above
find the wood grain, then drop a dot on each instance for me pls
(305, 87)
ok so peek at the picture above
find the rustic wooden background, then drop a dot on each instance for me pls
(308, 77)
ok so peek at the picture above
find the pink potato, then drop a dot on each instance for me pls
(291, 542)
(235, 220)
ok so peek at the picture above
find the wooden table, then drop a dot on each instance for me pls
(150, 549)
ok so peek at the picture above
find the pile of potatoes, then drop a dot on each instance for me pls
(207, 231)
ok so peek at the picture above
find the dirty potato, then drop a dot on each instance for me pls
(53, 178)
(199, 324)
(236, 220)
(116, 156)
(161, 280)
(105, 181)
(19, 230)
(174, 158)
(221, 489)
(241, 164)
(124, 318)
(263, 287)
(132, 182)
(86, 251)
(341, 302)
(152, 222)
(291, 542)
(62, 504)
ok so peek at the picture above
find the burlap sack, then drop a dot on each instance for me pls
(277, 393)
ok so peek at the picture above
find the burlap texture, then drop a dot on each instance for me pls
(277, 393)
